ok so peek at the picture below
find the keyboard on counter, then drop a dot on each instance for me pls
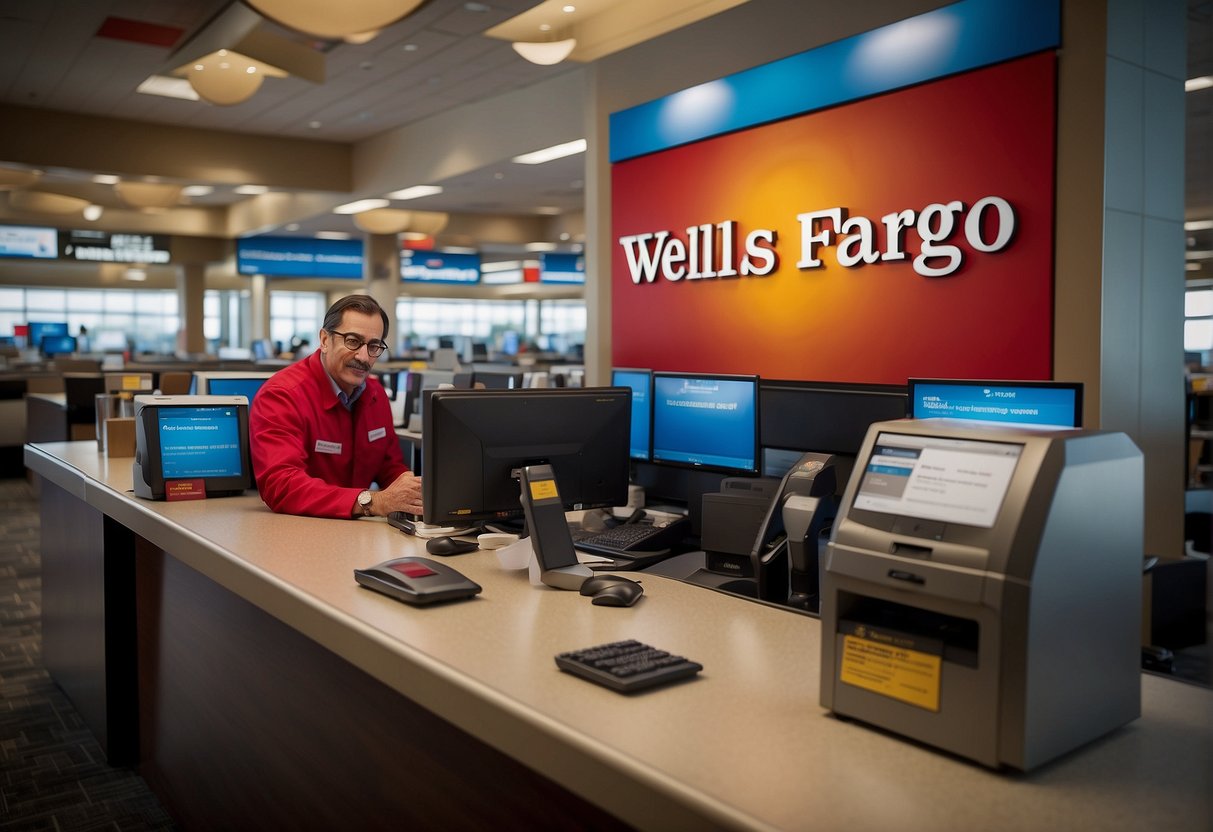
(631, 539)
(627, 666)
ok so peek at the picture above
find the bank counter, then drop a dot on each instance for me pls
(256, 682)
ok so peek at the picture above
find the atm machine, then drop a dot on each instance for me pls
(982, 588)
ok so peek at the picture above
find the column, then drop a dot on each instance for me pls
(381, 271)
(191, 289)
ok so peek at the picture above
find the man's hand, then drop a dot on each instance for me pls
(402, 495)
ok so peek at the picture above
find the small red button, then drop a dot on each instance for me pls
(413, 569)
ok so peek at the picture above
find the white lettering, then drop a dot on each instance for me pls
(1006, 224)
(947, 221)
(808, 239)
(759, 260)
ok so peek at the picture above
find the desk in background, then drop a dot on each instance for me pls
(266, 675)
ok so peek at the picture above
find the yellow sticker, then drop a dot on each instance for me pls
(543, 490)
(131, 382)
(897, 672)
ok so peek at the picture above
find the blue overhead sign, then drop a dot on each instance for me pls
(23, 241)
(439, 266)
(299, 257)
(561, 268)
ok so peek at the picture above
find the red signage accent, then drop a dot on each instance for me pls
(194, 489)
(907, 235)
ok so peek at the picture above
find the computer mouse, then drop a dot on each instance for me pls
(444, 546)
(596, 583)
(618, 595)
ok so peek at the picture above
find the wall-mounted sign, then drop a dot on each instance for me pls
(439, 266)
(299, 257)
(871, 241)
(23, 241)
(103, 247)
(557, 267)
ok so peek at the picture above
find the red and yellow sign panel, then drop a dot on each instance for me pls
(910, 234)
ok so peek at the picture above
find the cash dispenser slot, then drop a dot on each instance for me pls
(916, 575)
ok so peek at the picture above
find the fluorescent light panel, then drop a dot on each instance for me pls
(360, 205)
(415, 192)
(168, 87)
(549, 154)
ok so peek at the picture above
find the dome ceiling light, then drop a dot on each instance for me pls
(383, 220)
(327, 19)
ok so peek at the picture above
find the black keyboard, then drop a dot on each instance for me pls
(626, 666)
(629, 537)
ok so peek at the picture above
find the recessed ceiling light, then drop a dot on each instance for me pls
(92, 213)
(315, 125)
(409, 47)
(499, 175)
(415, 192)
(1202, 82)
(548, 154)
(168, 87)
(568, 9)
(476, 7)
(251, 190)
(360, 205)
(332, 235)
(106, 179)
(545, 27)
(197, 190)
(1198, 225)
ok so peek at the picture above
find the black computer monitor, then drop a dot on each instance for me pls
(228, 383)
(641, 384)
(706, 421)
(52, 345)
(1024, 403)
(476, 439)
(498, 380)
(191, 446)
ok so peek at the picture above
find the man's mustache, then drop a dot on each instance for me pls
(354, 362)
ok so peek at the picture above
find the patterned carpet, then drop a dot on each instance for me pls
(53, 773)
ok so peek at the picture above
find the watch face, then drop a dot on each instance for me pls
(364, 499)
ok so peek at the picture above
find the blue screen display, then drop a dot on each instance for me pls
(1017, 404)
(641, 383)
(39, 329)
(246, 387)
(199, 442)
(58, 345)
(709, 421)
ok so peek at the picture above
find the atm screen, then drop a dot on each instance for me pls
(936, 478)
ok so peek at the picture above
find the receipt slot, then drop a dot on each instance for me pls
(982, 589)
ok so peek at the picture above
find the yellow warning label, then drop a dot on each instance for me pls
(906, 675)
(131, 382)
(543, 490)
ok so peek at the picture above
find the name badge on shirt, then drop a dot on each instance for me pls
(377, 433)
(323, 447)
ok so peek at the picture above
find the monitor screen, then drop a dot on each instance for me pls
(936, 478)
(228, 383)
(57, 345)
(706, 421)
(475, 439)
(1025, 403)
(38, 329)
(641, 384)
(108, 340)
(194, 438)
(262, 349)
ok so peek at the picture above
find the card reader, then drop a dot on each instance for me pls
(417, 581)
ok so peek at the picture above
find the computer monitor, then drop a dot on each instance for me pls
(641, 384)
(187, 447)
(52, 345)
(706, 421)
(497, 381)
(1022, 403)
(228, 383)
(109, 340)
(262, 349)
(476, 439)
(39, 329)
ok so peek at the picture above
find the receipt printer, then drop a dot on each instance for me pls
(983, 586)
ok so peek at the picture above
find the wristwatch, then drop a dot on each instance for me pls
(364, 502)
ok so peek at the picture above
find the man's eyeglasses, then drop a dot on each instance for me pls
(353, 343)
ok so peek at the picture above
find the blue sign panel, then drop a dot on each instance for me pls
(439, 266)
(561, 268)
(1057, 405)
(956, 38)
(21, 241)
(299, 257)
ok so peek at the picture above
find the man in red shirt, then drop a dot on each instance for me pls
(322, 430)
